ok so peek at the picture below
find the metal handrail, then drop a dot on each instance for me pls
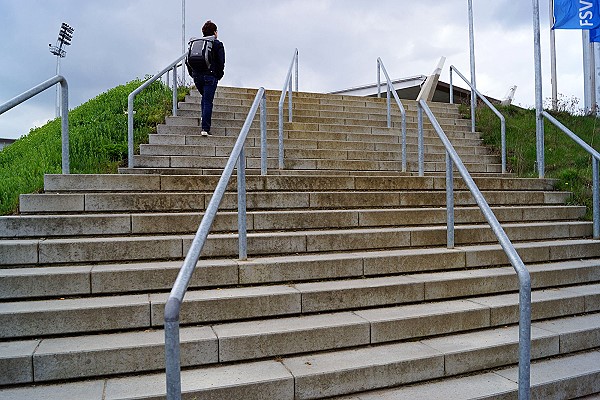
(452, 158)
(490, 105)
(287, 89)
(64, 111)
(595, 170)
(390, 89)
(173, 306)
(131, 97)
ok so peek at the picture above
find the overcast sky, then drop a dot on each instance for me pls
(339, 41)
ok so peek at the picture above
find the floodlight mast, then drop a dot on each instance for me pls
(65, 35)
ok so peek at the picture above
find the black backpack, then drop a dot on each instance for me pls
(200, 54)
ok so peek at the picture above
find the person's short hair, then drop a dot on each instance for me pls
(209, 28)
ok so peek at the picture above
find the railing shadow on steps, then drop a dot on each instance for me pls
(490, 105)
(131, 97)
(453, 159)
(64, 108)
(595, 173)
(287, 89)
(173, 305)
(390, 89)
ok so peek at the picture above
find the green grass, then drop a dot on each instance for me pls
(97, 140)
(565, 160)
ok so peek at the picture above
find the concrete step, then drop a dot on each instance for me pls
(324, 132)
(233, 120)
(569, 376)
(64, 225)
(372, 163)
(39, 318)
(430, 146)
(297, 153)
(194, 201)
(137, 248)
(311, 376)
(102, 355)
(76, 183)
(46, 281)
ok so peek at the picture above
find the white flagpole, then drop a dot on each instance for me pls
(553, 58)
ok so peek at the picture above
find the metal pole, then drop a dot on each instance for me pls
(241, 187)
(389, 107)
(57, 111)
(263, 135)
(539, 121)
(64, 123)
(587, 87)
(449, 201)
(174, 90)
(297, 62)
(451, 87)
(472, 51)
(596, 198)
(183, 39)
(553, 58)
(378, 79)
(420, 140)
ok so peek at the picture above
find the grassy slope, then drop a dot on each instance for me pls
(564, 159)
(97, 136)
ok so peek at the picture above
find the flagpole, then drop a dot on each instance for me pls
(553, 58)
(539, 121)
(587, 73)
(472, 53)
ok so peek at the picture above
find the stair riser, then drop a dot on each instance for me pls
(193, 202)
(119, 278)
(100, 225)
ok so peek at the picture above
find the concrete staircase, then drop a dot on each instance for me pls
(349, 289)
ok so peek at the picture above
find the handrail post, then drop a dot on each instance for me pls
(290, 102)
(596, 198)
(263, 135)
(172, 351)
(64, 126)
(241, 187)
(390, 90)
(378, 78)
(451, 87)
(174, 90)
(420, 140)
(404, 142)
(389, 107)
(297, 62)
(503, 142)
(449, 201)
(287, 87)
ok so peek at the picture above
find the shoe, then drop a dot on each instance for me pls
(205, 133)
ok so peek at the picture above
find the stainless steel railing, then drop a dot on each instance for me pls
(595, 175)
(131, 97)
(64, 111)
(452, 160)
(287, 89)
(173, 306)
(490, 105)
(390, 89)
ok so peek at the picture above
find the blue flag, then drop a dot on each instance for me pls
(595, 35)
(576, 14)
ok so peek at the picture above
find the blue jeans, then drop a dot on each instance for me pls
(207, 86)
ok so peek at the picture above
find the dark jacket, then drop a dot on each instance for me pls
(217, 68)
